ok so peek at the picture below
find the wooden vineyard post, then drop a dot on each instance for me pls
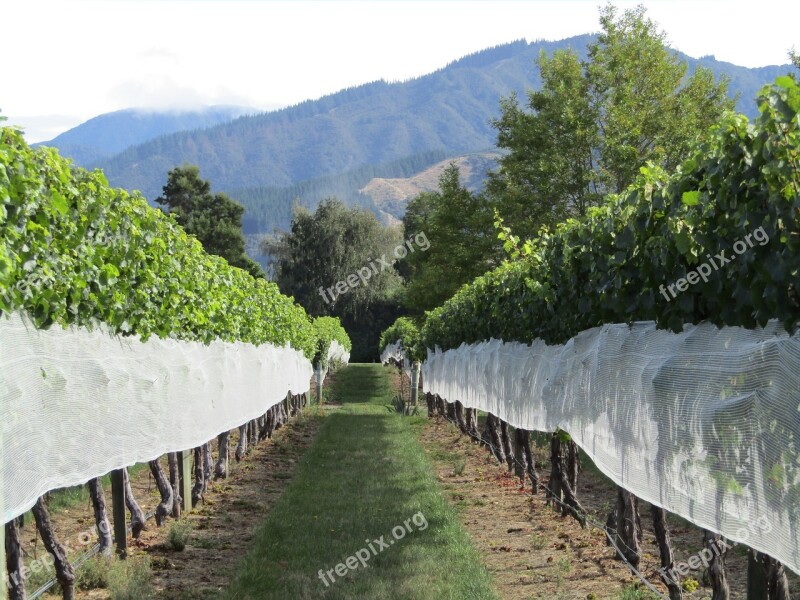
(414, 384)
(185, 479)
(319, 383)
(118, 511)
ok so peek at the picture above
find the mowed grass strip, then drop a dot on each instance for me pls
(365, 476)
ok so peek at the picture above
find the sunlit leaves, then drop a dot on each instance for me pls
(740, 183)
(75, 251)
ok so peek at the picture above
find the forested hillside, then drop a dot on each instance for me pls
(447, 111)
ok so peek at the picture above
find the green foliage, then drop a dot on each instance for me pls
(406, 331)
(73, 250)
(324, 249)
(327, 330)
(594, 123)
(458, 225)
(130, 579)
(94, 573)
(178, 535)
(636, 591)
(214, 219)
(609, 266)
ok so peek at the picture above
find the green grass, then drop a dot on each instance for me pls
(364, 475)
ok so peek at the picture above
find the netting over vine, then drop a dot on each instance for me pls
(705, 423)
(76, 404)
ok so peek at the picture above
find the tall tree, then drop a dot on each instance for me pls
(457, 225)
(339, 261)
(214, 219)
(549, 173)
(594, 123)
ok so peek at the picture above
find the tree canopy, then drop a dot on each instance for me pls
(339, 261)
(595, 123)
(458, 225)
(214, 219)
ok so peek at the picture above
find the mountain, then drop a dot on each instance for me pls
(108, 134)
(385, 189)
(388, 196)
(446, 112)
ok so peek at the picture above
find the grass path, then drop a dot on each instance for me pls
(364, 480)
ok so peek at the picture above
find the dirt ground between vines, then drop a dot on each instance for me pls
(221, 527)
(533, 552)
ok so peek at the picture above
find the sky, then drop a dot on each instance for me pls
(66, 61)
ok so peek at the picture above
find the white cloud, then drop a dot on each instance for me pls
(158, 91)
(42, 128)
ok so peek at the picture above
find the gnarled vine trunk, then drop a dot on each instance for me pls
(270, 421)
(460, 418)
(65, 573)
(164, 508)
(14, 563)
(766, 578)
(451, 411)
(199, 476)
(506, 439)
(174, 481)
(241, 447)
(138, 521)
(223, 449)
(472, 422)
(208, 465)
(520, 460)
(525, 441)
(716, 565)
(98, 496)
(573, 465)
(561, 495)
(628, 526)
(253, 431)
(442, 406)
(667, 571)
(495, 437)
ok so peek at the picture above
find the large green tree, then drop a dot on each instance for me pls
(594, 123)
(339, 261)
(457, 226)
(214, 219)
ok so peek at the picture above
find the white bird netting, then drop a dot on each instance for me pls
(76, 404)
(705, 423)
(338, 354)
(394, 351)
